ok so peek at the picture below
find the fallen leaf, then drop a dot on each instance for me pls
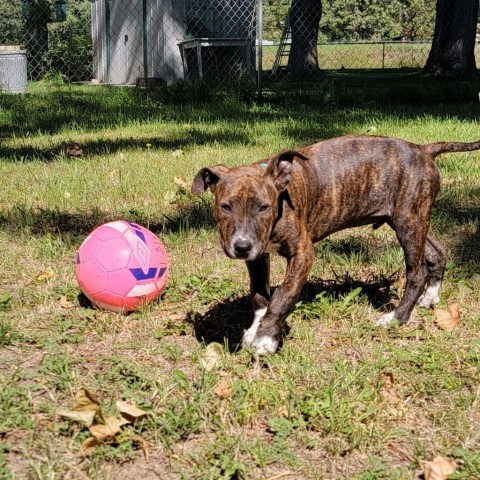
(130, 412)
(283, 411)
(181, 182)
(109, 428)
(439, 468)
(223, 389)
(84, 409)
(89, 446)
(65, 303)
(388, 390)
(177, 153)
(212, 356)
(44, 276)
(449, 318)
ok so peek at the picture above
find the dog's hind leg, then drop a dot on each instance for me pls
(412, 235)
(436, 258)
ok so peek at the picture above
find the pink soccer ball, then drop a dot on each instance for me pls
(121, 265)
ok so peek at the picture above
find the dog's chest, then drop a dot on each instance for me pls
(272, 247)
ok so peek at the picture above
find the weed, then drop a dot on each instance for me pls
(8, 334)
(58, 369)
(16, 401)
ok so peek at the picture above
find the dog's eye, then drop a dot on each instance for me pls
(226, 207)
(264, 208)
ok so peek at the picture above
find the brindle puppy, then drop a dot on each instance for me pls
(298, 197)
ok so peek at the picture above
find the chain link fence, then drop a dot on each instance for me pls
(360, 35)
(150, 42)
(126, 42)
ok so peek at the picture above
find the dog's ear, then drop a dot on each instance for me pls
(207, 178)
(280, 167)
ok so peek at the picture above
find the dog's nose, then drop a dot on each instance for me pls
(242, 247)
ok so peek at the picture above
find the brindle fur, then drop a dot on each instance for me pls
(302, 196)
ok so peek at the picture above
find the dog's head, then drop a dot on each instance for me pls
(246, 201)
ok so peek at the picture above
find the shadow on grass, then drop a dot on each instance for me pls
(318, 109)
(224, 322)
(451, 216)
(65, 224)
(27, 153)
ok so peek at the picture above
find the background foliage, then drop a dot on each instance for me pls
(354, 20)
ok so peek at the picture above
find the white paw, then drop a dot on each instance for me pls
(430, 297)
(264, 345)
(386, 319)
(249, 334)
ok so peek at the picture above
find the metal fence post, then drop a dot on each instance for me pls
(259, 48)
(108, 40)
(145, 38)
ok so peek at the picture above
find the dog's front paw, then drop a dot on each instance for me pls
(386, 319)
(264, 345)
(249, 335)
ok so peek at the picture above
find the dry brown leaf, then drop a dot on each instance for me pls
(449, 318)
(89, 446)
(223, 389)
(110, 428)
(439, 468)
(130, 412)
(388, 390)
(283, 411)
(65, 303)
(84, 409)
(181, 182)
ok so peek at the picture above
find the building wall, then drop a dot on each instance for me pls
(119, 28)
(163, 27)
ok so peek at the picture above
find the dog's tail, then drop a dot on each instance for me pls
(446, 147)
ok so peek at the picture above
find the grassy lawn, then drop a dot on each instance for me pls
(363, 55)
(341, 400)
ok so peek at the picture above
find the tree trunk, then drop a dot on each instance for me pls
(37, 48)
(452, 51)
(36, 14)
(305, 18)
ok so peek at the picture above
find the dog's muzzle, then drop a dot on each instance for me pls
(243, 248)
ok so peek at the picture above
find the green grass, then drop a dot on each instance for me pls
(334, 56)
(340, 400)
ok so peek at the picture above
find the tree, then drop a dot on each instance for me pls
(11, 32)
(452, 51)
(305, 18)
(37, 14)
(353, 20)
(274, 14)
